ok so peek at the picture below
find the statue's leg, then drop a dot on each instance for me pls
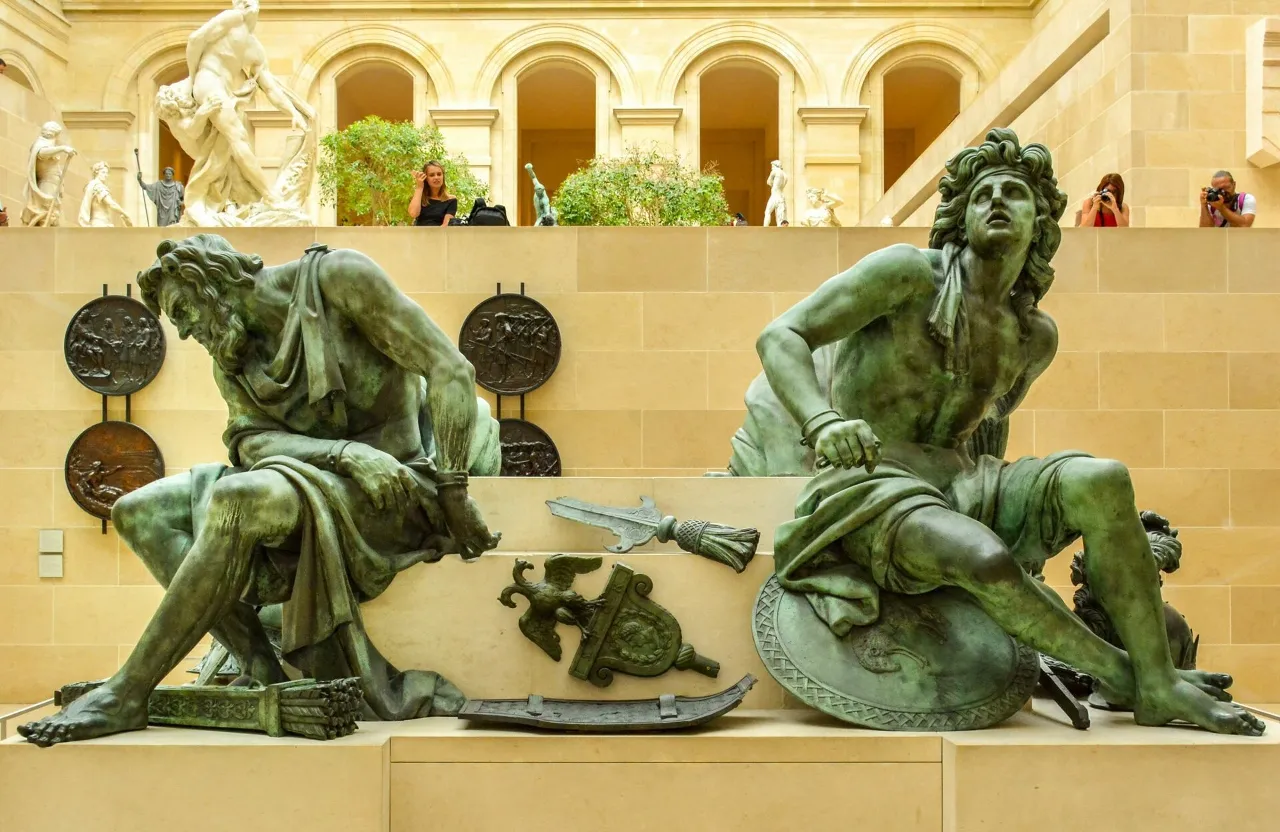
(244, 510)
(227, 121)
(155, 522)
(1097, 498)
(939, 546)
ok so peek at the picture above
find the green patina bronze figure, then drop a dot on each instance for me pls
(352, 427)
(543, 213)
(893, 382)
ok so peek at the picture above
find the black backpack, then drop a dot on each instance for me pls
(482, 214)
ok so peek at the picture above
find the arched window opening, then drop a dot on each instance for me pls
(171, 154)
(556, 114)
(919, 102)
(374, 88)
(739, 132)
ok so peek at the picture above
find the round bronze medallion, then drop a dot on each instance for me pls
(527, 451)
(107, 461)
(114, 345)
(513, 342)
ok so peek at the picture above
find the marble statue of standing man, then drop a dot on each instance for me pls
(46, 168)
(166, 195)
(776, 207)
(99, 208)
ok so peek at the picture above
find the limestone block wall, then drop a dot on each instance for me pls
(1168, 361)
(1158, 98)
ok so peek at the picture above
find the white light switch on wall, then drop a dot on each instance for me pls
(50, 566)
(50, 541)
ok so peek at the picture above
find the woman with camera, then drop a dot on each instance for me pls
(431, 203)
(1105, 208)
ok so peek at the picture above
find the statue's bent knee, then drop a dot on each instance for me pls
(258, 503)
(1089, 481)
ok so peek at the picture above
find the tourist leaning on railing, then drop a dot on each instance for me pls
(1220, 205)
(1105, 208)
(440, 207)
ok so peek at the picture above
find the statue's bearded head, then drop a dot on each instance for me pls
(1001, 199)
(168, 174)
(200, 283)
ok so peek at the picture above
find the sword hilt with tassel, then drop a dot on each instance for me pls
(731, 546)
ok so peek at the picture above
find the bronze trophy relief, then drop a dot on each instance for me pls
(109, 460)
(114, 345)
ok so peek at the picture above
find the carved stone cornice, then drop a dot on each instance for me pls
(463, 116)
(832, 159)
(133, 9)
(269, 118)
(652, 116)
(97, 119)
(833, 115)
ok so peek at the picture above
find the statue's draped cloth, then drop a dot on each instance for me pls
(839, 549)
(347, 551)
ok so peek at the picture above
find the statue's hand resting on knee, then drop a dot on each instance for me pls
(466, 525)
(846, 443)
(389, 484)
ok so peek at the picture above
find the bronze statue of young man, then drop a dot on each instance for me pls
(352, 426)
(887, 372)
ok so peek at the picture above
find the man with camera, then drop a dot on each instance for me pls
(1221, 206)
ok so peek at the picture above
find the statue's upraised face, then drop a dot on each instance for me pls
(1001, 215)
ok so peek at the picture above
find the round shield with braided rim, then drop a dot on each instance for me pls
(931, 662)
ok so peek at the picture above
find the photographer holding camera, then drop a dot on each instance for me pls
(1105, 207)
(1220, 205)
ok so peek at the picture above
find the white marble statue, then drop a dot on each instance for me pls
(776, 207)
(99, 209)
(822, 209)
(46, 168)
(206, 113)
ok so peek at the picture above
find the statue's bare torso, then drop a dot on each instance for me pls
(383, 400)
(229, 57)
(889, 374)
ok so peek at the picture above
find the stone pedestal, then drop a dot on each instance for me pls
(645, 125)
(831, 158)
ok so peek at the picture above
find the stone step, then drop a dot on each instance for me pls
(751, 770)
(446, 617)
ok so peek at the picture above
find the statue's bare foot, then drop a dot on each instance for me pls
(1214, 684)
(96, 714)
(1185, 701)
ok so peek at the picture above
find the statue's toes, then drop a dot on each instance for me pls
(26, 729)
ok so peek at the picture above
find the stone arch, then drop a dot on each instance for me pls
(771, 46)
(143, 53)
(23, 66)
(387, 40)
(545, 38)
(966, 57)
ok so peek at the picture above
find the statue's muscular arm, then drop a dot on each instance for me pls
(359, 288)
(878, 284)
(219, 26)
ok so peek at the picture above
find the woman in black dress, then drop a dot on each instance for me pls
(435, 206)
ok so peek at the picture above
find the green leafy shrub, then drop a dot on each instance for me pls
(644, 186)
(367, 170)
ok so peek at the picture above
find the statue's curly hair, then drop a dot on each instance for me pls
(1002, 149)
(210, 267)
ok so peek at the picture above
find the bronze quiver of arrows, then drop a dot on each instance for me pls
(637, 526)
